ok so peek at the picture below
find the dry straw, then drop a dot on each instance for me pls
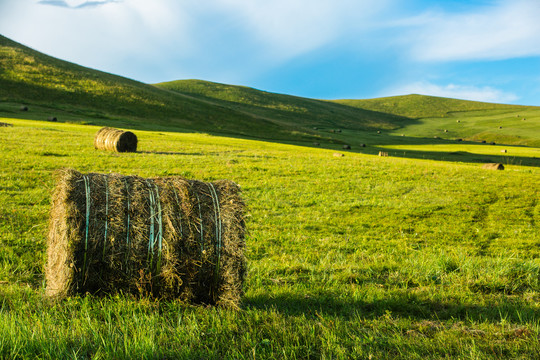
(115, 140)
(162, 237)
(493, 166)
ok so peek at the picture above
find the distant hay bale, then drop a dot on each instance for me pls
(492, 143)
(338, 155)
(500, 127)
(3, 124)
(458, 120)
(504, 151)
(52, 118)
(161, 237)
(378, 131)
(383, 153)
(483, 141)
(362, 145)
(115, 140)
(346, 147)
(316, 144)
(493, 166)
(445, 130)
(24, 108)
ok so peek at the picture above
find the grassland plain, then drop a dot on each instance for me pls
(352, 257)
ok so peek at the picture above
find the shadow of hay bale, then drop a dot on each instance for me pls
(161, 237)
(115, 140)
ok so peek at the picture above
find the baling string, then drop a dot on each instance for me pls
(87, 191)
(155, 214)
(127, 229)
(151, 238)
(106, 215)
(160, 228)
(217, 217)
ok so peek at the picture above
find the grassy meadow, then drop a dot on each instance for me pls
(360, 256)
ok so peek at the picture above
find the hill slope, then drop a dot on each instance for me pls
(33, 78)
(74, 93)
(422, 106)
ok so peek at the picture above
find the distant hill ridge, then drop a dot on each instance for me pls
(82, 94)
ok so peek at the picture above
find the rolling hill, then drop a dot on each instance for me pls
(73, 93)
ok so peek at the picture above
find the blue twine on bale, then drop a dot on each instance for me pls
(88, 199)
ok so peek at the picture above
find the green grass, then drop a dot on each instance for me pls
(353, 257)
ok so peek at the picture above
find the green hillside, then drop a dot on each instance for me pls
(75, 93)
(422, 106)
(286, 108)
(72, 93)
(82, 94)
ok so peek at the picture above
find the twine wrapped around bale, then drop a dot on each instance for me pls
(115, 140)
(162, 237)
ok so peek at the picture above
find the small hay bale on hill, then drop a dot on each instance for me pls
(493, 166)
(52, 118)
(346, 147)
(115, 140)
(338, 155)
(3, 124)
(24, 108)
(162, 237)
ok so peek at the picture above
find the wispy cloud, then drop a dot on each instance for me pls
(76, 4)
(503, 29)
(465, 92)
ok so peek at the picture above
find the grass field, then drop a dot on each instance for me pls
(357, 256)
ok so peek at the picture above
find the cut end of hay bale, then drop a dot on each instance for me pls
(115, 140)
(493, 166)
(160, 237)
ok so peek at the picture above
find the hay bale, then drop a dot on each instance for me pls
(493, 166)
(115, 140)
(362, 145)
(161, 237)
(316, 144)
(504, 151)
(338, 155)
(24, 108)
(52, 118)
(3, 124)
(346, 147)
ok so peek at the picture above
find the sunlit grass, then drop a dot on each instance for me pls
(349, 257)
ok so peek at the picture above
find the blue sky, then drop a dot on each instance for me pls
(486, 50)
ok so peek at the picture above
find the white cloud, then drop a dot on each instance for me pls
(287, 28)
(465, 92)
(505, 29)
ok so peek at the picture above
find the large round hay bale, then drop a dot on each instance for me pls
(160, 237)
(493, 166)
(115, 140)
